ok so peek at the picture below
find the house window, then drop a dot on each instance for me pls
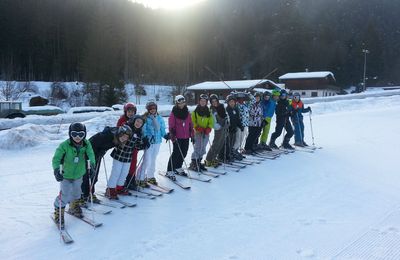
(303, 93)
(314, 94)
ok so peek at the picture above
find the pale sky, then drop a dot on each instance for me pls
(168, 4)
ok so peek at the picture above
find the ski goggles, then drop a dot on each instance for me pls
(79, 134)
(204, 96)
(181, 100)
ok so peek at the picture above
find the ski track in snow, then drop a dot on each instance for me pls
(340, 202)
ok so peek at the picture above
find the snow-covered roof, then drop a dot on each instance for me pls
(233, 84)
(306, 75)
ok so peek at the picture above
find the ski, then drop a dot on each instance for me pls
(180, 184)
(215, 171)
(111, 205)
(97, 210)
(119, 201)
(149, 193)
(190, 176)
(300, 149)
(252, 161)
(206, 173)
(86, 220)
(65, 236)
(160, 188)
(243, 162)
(231, 167)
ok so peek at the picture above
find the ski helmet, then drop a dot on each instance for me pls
(179, 99)
(203, 96)
(296, 94)
(124, 130)
(150, 105)
(283, 93)
(214, 96)
(230, 97)
(130, 106)
(257, 94)
(77, 129)
(276, 92)
(267, 94)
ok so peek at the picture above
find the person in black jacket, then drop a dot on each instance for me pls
(101, 142)
(283, 113)
(235, 124)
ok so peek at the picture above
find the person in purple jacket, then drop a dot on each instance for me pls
(181, 130)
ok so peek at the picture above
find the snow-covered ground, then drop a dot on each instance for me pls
(341, 202)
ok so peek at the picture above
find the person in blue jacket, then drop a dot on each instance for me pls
(154, 130)
(269, 105)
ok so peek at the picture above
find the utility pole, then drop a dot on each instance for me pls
(365, 51)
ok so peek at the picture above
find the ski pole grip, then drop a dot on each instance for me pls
(88, 164)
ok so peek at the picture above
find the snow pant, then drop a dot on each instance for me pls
(118, 175)
(200, 144)
(132, 167)
(265, 130)
(176, 159)
(280, 124)
(217, 144)
(226, 152)
(148, 167)
(70, 191)
(85, 179)
(252, 138)
(240, 139)
(298, 129)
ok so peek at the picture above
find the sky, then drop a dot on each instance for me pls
(168, 4)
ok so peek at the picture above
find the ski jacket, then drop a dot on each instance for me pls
(268, 108)
(122, 120)
(298, 109)
(73, 159)
(255, 114)
(244, 113)
(123, 152)
(234, 119)
(202, 121)
(103, 141)
(219, 121)
(149, 129)
(282, 110)
(180, 128)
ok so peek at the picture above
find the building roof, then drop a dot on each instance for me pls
(307, 75)
(233, 84)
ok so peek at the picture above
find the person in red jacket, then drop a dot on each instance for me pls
(129, 112)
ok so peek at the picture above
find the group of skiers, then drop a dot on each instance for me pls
(240, 128)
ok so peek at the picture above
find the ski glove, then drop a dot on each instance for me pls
(309, 109)
(207, 131)
(167, 137)
(192, 140)
(146, 143)
(199, 129)
(264, 123)
(92, 172)
(58, 175)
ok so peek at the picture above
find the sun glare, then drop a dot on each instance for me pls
(168, 4)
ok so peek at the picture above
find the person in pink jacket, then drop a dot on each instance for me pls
(181, 130)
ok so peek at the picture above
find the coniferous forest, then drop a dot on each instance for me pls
(114, 41)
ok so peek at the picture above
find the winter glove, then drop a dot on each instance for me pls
(92, 172)
(167, 136)
(309, 109)
(146, 143)
(207, 131)
(58, 175)
(192, 140)
(199, 129)
(242, 128)
(263, 123)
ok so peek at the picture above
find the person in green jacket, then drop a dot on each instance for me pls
(202, 123)
(72, 156)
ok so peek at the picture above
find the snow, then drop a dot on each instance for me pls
(306, 75)
(234, 84)
(340, 202)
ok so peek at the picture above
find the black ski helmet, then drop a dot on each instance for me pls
(267, 94)
(76, 127)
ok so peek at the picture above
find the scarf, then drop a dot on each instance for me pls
(202, 111)
(180, 113)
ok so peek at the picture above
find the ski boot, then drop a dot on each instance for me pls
(298, 144)
(82, 201)
(75, 209)
(152, 181)
(286, 145)
(305, 144)
(171, 175)
(95, 199)
(202, 166)
(122, 191)
(194, 166)
(272, 145)
(180, 172)
(143, 184)
(130, 184)
(57, 217)
(111, 193)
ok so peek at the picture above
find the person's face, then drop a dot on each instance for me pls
(214, 102)
(130, 112)
(153, 110)
(123, 138)
(181, 105)
(232, 103)
(257, 99)
(266, 97)
(296, 98)
(138, 123)
(203, 102)
(275, 97)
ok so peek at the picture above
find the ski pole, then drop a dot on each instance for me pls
(183, 158)
(299, 127)
(312, 132)
(105, 170)
(134, 174)
(59, 204)
(90, 189)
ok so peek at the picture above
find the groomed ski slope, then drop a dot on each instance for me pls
(341, 202)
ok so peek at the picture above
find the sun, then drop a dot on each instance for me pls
(168, 4)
